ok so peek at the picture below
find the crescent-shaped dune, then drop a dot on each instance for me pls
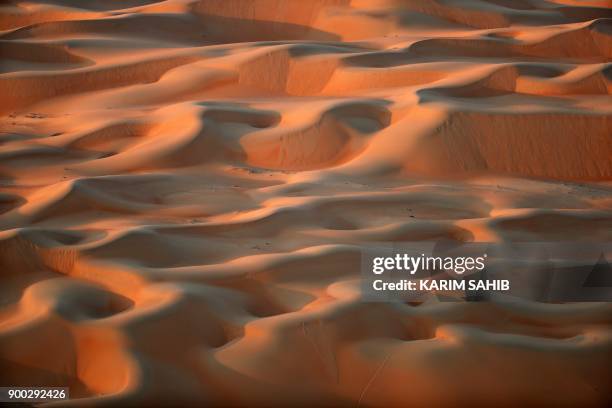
(187, 188)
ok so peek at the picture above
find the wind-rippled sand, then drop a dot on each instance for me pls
(186, 187)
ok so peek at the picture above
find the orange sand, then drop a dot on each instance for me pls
(186, 187)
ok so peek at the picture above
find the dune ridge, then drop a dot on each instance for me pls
(187, 186)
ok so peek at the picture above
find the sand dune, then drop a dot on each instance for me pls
(187, 187)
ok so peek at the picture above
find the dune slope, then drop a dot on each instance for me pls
(186, 188)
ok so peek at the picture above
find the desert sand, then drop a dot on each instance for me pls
(186, 188)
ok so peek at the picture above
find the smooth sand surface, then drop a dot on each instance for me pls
(186, 187)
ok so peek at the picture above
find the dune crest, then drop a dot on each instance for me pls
(187, 186)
